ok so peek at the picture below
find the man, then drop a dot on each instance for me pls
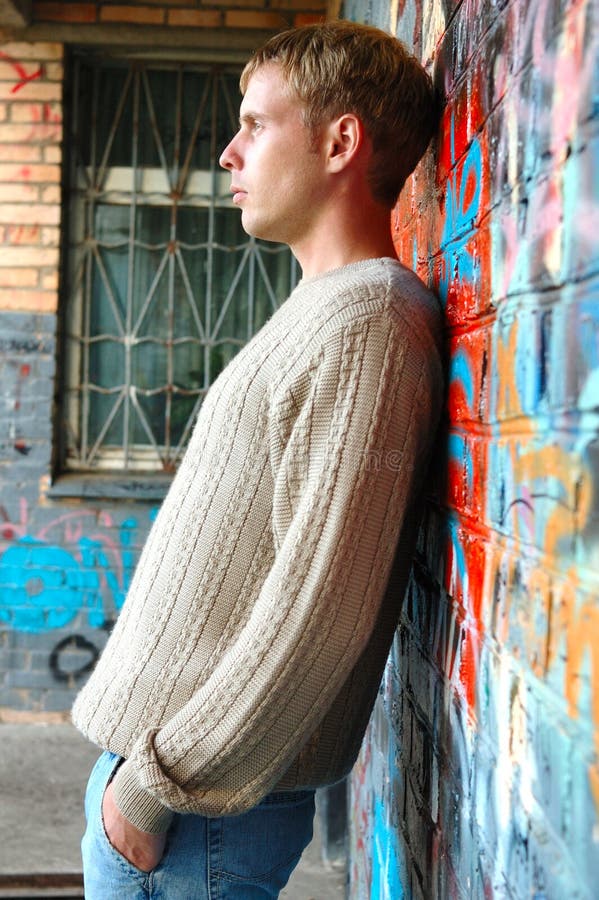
(244, 665)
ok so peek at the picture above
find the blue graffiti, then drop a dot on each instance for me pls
(460, 218)
(460, 557)
(460, 453)
(588, 332)
(461, 374)
(386, 882)
(43, 587)
(459, 450)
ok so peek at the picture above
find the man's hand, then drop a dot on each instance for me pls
(143, 850)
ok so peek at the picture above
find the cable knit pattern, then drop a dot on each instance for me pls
(251, 644)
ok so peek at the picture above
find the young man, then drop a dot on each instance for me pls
(243, 668)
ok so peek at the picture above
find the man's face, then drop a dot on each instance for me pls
(277, 175)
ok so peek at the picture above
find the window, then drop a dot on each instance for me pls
(163, 285)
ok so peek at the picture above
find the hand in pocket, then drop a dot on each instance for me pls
(141, 849)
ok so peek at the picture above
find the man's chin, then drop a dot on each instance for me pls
(257, 230)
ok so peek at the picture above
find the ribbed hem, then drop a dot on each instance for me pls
(140, 807)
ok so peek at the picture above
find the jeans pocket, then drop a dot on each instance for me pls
(115, 854)
(264, 844)
(102, 774)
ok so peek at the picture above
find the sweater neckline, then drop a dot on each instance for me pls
(348, 268)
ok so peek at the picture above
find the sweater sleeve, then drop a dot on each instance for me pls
(348, 445)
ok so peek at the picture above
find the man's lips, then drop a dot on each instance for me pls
(238, 193)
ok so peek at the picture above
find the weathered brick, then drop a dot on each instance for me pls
(15, 700)
(40, 301)
(238, 18)
(20, 153)
(20, 234)
(36, 51)
(14, 659)
(44, 215)
(303, 4)
(48, 115)
(29, 173)
(140, 15)
(52, 154)
(54, 71)
(57, 700)
(308, 19)
(28, 256)
(19, 277)
(50, 237)
(22, 193)
(25, 73)
(39, 136)
(194, 18)
(33, 90)
(50, 281)
(251, 4)
(64, 12)
(27, 679)
(51, 194)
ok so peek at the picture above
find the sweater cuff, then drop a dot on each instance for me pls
(137, 805)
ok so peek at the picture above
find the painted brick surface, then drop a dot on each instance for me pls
(64, 567)
(479, 774)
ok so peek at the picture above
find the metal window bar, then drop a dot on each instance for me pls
(133, 292)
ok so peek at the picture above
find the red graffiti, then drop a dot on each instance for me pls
(47, 123)
(20, 70)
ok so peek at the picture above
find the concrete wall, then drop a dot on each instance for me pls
(65, 563)
(479, 775)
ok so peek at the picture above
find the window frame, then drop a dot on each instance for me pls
(136, 477)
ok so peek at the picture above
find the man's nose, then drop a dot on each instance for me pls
(229, 156)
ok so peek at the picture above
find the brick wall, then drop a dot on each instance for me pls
(65, 564)
(479, 774)
(213, 14)
(30, 157)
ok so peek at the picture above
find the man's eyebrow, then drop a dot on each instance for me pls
(251, 116)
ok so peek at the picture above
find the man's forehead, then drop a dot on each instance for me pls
(268, 85)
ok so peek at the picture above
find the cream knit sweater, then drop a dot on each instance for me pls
(250, 648)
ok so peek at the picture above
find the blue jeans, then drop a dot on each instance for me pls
(245, 857)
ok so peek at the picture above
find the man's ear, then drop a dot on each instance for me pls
(345, 137)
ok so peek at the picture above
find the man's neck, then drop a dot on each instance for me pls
(344, 237)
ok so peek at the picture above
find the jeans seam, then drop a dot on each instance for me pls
(214, 853)
(208, 863)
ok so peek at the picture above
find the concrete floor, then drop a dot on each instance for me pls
(43, 771)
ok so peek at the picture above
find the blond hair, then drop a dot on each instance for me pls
(342, 67)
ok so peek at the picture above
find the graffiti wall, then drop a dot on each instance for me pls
(64, 565)
(479, 776)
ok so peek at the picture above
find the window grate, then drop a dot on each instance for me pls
(164, 286)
